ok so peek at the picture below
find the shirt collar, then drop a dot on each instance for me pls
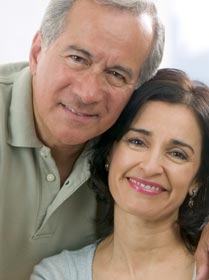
(21, 124)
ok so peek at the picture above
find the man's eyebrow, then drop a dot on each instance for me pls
(140, 130)
(124, 69)
(78, 49)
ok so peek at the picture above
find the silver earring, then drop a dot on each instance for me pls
(191, 199)
(107, 166)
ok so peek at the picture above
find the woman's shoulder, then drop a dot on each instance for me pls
(84, 253)
(74, 265)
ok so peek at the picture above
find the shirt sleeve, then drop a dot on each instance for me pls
(68, 265)
(52, 268)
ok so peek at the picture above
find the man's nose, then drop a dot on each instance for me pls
(90, 88)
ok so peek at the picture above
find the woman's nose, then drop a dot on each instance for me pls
(151, 164)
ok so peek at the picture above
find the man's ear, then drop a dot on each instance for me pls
(35, 51)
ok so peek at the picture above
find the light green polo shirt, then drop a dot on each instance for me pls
(37, 218)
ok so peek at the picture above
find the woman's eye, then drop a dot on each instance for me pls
(136, 142)
(178, 155)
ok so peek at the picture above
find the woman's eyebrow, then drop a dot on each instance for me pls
(141, 131)
(173, 141)
(183, 144)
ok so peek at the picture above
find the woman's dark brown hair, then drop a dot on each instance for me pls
(172, 86)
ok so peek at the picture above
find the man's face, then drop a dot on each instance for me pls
(83, 80)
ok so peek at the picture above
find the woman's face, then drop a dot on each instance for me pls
(154, 166)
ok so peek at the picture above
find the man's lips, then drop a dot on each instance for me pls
(78, 113)
(143, 185)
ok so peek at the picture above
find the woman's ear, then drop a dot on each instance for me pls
(193, 189)
(107, 166)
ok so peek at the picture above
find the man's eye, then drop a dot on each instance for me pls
(77, 58)
(116, 79)
(77, 62)
(117, 75)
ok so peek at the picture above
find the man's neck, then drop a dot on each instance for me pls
(65, 159)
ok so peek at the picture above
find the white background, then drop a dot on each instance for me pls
(186, 21)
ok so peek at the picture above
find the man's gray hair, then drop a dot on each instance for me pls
(53, 25)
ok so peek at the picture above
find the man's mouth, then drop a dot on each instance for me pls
(81, 114)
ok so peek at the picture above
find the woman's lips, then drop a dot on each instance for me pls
(145, 186)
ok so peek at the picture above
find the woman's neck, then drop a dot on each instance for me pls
(143, 250)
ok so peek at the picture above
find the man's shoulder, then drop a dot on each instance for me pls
(8, 71)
